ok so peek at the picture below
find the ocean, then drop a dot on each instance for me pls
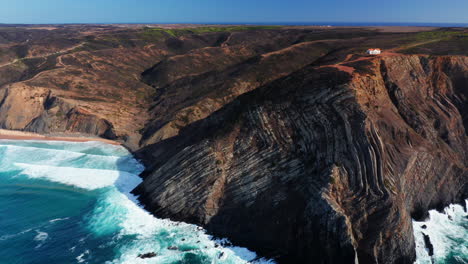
(369, 24)
(448, 234)
(324, 24)
(63, 202)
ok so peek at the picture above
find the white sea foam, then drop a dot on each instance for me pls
(6, 237)
(58, 219)
(158, 235)
(116, 213)
(90, 179)
(66, 158)
(41, 236)
(447, 232)
(81, 257)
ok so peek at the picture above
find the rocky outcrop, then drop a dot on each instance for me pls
(428, 244)
(325, 165)
(46, 113)
(147, 255)
(285, 140)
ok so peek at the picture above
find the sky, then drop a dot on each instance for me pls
(232, 11)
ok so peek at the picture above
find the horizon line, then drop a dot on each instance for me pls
(277, 23)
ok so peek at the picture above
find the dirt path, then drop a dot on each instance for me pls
(44, 56)
(340, 66)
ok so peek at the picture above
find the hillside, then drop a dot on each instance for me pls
(288, 140)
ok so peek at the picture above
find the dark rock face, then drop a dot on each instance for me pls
(288, 140)
(323, 165)
(429, 246)
(147, 255)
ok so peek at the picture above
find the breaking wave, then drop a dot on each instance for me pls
(71, 203)
(446, 234)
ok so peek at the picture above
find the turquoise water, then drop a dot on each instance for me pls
(64, 202)
(448, 233)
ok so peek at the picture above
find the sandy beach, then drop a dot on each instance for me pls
(20, 135)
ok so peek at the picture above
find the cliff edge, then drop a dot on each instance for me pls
(288, 140)
(326, 165)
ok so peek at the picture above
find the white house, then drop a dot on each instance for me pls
(374, 51)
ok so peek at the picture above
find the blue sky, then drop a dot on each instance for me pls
(205, 11)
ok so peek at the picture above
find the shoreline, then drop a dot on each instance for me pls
(20, 135)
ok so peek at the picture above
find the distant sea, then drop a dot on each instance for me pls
(338, 24)
(366, 24)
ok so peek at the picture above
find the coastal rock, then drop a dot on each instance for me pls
(429, 246)
(289, 141)
(46, 113)
(147, 255)
(322, 165)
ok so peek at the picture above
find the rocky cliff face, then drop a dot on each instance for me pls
(138, 85)
(325, 165)
(285, 140)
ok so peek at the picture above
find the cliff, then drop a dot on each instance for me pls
(325, 165)
(287, 140)
(111, 81)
